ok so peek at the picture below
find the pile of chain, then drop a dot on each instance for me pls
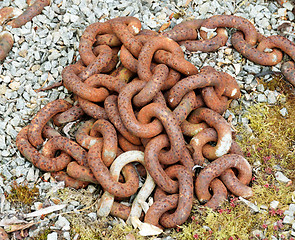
(149, 113)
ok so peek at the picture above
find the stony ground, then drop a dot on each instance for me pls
(44, 46)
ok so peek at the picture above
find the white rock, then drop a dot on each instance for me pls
(288, 220)
(292, 207)
(274, 204)
(52, 236)
(31, 175)
(62, 223)
(261, 98)
(281, 177)
(284, 112)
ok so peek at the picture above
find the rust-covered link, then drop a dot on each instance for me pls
(69, 181)
(7, 13)
(222, 127)
(256, 55)
(37, 159)
(205, 45)
(66, 145)
(42, 117)
(237, 22)
(35, 9)
(104, 177)
(216, 168)
(184, 205)
(83, 135)
(288, 70)
(174, 53)
(109, 137)
(72, 114)
(6, 43)
(128, 117)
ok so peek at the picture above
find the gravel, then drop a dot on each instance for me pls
(47, 44)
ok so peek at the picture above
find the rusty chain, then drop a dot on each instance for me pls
(139, 106)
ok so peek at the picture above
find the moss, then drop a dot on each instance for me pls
(42, 235)
(272, 142)
(22, 194)
(103, 228)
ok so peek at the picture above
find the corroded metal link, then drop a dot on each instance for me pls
(128, 146)
(102, 60)
(111, 108)
(131, 63)
(202, 138)
(198, 142)
(208, 45)
(254, 54)
(105, 83)
(109, 137)
(120, 210)
(159, 207)
(88, 38)
(81, 173)
(66, 145)
(203, 79)
(125, 29)
(36, 158)
(92, 109)
(7, 13)
(193, 45)
(188, 103)
(6, 43)
(49, 132)
(181, 34)
(191, 129)
(72, 114)
(35, 9)
(164, 114)
(222, 127)
(42, 117)
(108, 39)
(185, 200)
(237, 22)
(215, 169)
(104, 177)
(288, 70)
(128, 117)
(69, 181)
(74, 84)
(83, 135)
(219, 194)
(152, 87)
(154, 167)
(237, 185)
(217, 104)
(162, 43)
(279, 42)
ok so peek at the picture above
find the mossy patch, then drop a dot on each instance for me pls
(22, 194)
(272, 144)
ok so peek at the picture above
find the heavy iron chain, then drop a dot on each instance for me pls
(151, 106)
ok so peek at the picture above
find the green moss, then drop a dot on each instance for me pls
(103, 228)
(42, 235)
(22, 194)
(273, 138)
